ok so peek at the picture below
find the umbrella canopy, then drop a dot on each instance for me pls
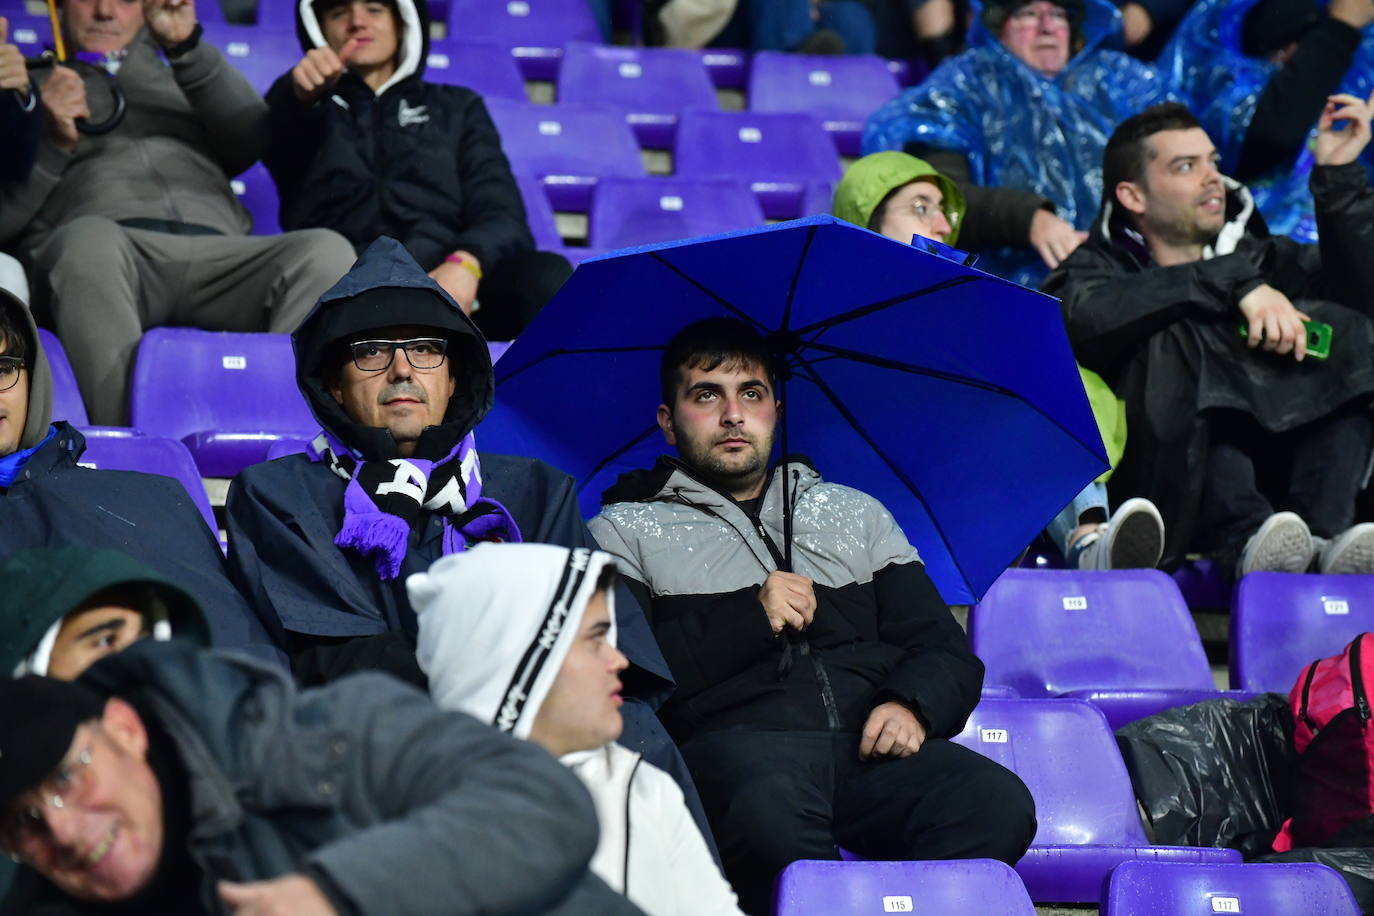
(948, 394)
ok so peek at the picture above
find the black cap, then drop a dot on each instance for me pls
(38, 719)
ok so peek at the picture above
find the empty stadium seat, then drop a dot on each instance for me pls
(1064, 751)
(151, 455)
(727, 67)
(260, 53)
(258, 193)
(1123, 640)
(1257, 889)
(277, 14)
(66, 396)
(568, 148)
(31, 34)
(535, 31)
(968, 887)
(484, 67)
(538, 213)
(650, 85)
(1282, 621)
(227, 396)
(777, 154)
(842, 90)
(640, 211)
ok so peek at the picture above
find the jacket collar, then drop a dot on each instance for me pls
(58, 453)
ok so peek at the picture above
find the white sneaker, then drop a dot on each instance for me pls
(1350, 553)
(1282, 544)
(1133, 538)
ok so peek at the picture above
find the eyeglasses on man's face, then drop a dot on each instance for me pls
(10, 367)
(376, 355)
(68, 785)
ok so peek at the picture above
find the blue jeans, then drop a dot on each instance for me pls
(1093, 496)
(782, 25)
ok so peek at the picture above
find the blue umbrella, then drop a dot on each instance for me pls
(949, 394)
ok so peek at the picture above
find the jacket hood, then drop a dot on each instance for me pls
(413, 48)
(386, 288)
(876, 175)
(1242, 219)
(39, 415)
(496, 622)
(1092, 23)
(44, 586)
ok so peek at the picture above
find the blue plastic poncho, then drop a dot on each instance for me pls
(1204, 64)
(1019, 129)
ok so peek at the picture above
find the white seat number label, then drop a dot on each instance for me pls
(439, 61)
(1336, 606)
(550, 128)
(1075, 603)
(819, 77)
(897, 904)
(750, 135)
(235, 362)
(670, 202)
(1225, 904)
(630, 70)
(238, 187)
(518, 8)
(995, 735)
(26, 36)
(239, 49)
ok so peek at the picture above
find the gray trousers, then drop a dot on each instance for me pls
(110, 283)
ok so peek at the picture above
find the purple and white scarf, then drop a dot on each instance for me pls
(386, 500)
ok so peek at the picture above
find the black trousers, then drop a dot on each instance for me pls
(775, 797)
(1315, 470)
(514, 291)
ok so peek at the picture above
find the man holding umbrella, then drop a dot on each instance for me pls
(820, 674)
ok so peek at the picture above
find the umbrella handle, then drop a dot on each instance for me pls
(58, 44)
(117, 97)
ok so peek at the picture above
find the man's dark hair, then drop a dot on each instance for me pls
(1129, 151)
(324, 6)
(609, 578)
(14, 336)
(709, 344)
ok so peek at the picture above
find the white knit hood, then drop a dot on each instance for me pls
(496, 623)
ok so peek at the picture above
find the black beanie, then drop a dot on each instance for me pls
(1272, 24)
(38, 719)
(995, 12)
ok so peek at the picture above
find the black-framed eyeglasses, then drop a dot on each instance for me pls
(68, 784)
(9, 371)
(376, 355)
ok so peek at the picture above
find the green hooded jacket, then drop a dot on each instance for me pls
(868, 181)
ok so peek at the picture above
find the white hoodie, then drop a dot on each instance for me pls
(495, 624)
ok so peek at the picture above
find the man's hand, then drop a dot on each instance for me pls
(13, 74)
(1054, 238)
(789, 601)
(1355, 13)
(458, 281)
(170, 21)
(319, 70)
(290, 895)
(64, 101)
(1272, 316)
(892, 730)
(1341, 147)
(1136, 24)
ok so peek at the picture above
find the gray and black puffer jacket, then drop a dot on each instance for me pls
(881, 631)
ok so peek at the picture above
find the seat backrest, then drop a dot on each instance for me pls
(1254, 889)
(651, 80)
(260, 53)
(524, 23)
(66, 396)
(151, 455)
(538, 212)
(845, 88)
(485, 67)
(640, 211)
(31, 34)
(257, 192)
(1047, 631)
(1065, 753)
(188, 381)
(754, 146)
(968, 887)
(545, 140)
(1282, 621)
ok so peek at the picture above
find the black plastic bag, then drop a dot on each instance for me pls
(1355, 865)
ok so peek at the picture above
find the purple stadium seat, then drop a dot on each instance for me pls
(31, 34)
(1064, 751)
(1123, 640)
(999, 692)
(577, 254)
(1282, 621)
(227, 396)
(535, 31)
(967, 887)
(482, 66)
(538, 213)
(818, 197)
(1257, 889)
(567, 148)
(650, 85)
(283, 447)
(1204, 583)
(776, 153)
(258, 193)
(640, 211)
(277, 14)
(842, 91)
(260, 53)
(151, 455)
(66, 396)
(728, 68)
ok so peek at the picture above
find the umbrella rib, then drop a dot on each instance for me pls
(744, 316)
(864, 310)
(897, 472)
(600, 465)
(796, 278)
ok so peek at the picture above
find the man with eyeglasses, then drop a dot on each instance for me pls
(171, 780)
(322, 543)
